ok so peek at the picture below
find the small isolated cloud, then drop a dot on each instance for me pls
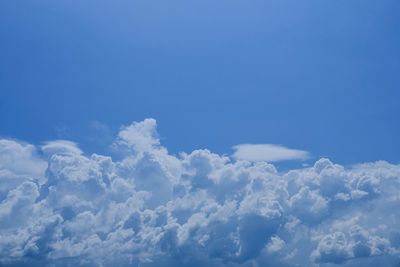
(268, 152)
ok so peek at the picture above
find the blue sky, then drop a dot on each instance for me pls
(320, 76)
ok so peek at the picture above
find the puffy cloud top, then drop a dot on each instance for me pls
(60, 207)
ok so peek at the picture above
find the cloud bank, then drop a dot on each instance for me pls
(60, 207)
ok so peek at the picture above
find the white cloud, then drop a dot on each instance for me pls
(141, 136)
(60, 147)
(275, 244)
(150, 208)
(268, 152)
(20, 159)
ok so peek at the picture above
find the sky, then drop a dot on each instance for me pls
(218, 133)
(319, 76)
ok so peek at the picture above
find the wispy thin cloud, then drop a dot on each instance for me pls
(268, 152)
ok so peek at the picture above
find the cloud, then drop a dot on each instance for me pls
(21, 159)
(60, 147)
(62, 207)
(268, 152)
(140, 136)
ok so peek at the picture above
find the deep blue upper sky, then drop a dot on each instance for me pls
(317, 75)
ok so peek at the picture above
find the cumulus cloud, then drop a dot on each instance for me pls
(61, 207)
(268, 152)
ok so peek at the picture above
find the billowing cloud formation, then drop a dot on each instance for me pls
(61, 207)
(268, 153)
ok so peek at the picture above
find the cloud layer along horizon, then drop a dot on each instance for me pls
(61, 207)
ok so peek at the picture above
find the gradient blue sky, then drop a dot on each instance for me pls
(316, 75)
